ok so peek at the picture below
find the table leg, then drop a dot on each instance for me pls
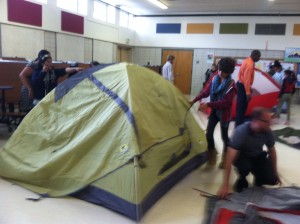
(3, 107)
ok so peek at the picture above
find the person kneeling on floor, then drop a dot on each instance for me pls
(245, 152)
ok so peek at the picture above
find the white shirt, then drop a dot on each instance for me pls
(278, 77)
(167, 72)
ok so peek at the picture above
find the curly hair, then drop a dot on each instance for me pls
(227, 65)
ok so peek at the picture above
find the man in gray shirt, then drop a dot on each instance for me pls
(245, 152)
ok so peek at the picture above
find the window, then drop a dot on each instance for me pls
(131, 22)
(83, 7)
(123, 19)
(99, 11)
(38, 1)
(77, 6)
(111, 14)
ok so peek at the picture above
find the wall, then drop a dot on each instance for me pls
(25, 41)
(143, 55)
(148, 37)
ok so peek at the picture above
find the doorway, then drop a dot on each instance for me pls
(182, 68)
(123, 54)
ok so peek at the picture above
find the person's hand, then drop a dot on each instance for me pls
(223, 192)
(202, 106)
(46, 68)
(191, 103)
(78, 69)
(248, 98)
(30, 93)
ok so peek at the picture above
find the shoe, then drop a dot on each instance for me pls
(240, 184)
(275, 121)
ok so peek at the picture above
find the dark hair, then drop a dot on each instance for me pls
(94, 63)
(257, 112)
(277, 64)
(41, 54)
(170, 57)
(227, 65)
(255, 53)
(290, 73)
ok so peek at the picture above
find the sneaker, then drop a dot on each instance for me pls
(240, 184)
(275, 121)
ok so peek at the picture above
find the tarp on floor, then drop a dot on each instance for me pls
(256, 205)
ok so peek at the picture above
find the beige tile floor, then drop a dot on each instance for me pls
(180, 205)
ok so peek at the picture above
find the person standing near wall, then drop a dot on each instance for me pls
(244, 83)
(222, 90)
(25, 77)
(45, 80)
(285, 95)
(167, 70)
(279, 73)
(209, 73)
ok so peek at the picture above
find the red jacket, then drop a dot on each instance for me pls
(225, 104)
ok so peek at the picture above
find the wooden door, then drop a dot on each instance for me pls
(123, 54)
(182, 68)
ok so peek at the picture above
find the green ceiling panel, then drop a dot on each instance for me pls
(234, 28)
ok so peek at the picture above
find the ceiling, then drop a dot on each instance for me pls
(182, 7)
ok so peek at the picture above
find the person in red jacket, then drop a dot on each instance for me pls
(221, 90)
(285, 94)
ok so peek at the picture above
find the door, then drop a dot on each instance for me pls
(182, 68)
(123, 54)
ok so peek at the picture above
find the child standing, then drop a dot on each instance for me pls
(285, 95)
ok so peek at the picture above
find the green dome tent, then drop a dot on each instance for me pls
(120, 136)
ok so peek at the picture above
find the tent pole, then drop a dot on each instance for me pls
(136, 183)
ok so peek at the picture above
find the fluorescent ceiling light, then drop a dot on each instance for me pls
(158, 4)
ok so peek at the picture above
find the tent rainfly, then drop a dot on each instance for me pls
(116, 135)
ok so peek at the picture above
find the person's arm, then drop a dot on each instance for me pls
(231, 155)
(248, 79)
(204, 93)
(170, 74)
(273, 159)
(73, 70)
(24, 77)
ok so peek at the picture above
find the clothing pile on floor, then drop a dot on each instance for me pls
(288, 136)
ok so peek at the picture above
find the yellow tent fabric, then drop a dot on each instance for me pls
(119, 129)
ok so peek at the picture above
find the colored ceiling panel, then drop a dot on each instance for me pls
(296, 30)
(21, 11)
(72, 23)
(168, 28)
(270, 29)
(233, 28)
(200, 28)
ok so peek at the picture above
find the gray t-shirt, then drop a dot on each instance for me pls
(33, 65)
(250, 143)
